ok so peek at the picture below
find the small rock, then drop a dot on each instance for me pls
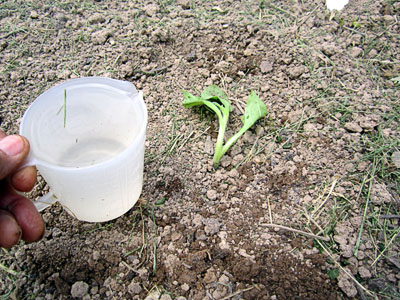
(233, 173)
(219, 293)
(222, 66)
(96, 18)
(165, 297)
(3, 44)
(197, 220)
(260, 131)
(79, 289)
(266, 67)
(388, 19)
(64, 74)
(212, 195)
(226, 161)
(347, 285)
(208, 146)
(200, 235)
(373, 53)
(185, 4)
(34, 14)
(368, 125)
(61, 17)
(185, 287)
(296, 72)
(181, 298)
(160, 36)
(329, 49)
(249, 52)
(151, 9)
(380, 194)
(210, 276)
(175, 236)
(96, 255)
(155, 295)
(356, 52)
(352, 127)
(224, 279)
(100, 37)
(212, 226)
(364, 273)
(134, 288)
(191, 56)
(396, 159)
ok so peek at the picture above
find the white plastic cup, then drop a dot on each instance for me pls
(93, 165)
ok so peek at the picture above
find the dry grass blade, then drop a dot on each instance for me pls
(323, 238)
(237, 293)
(317, 212)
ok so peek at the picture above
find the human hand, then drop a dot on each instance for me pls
(18, 215)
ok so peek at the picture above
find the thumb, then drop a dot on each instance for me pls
(13, 150)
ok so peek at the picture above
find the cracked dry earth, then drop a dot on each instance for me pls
(329, 82)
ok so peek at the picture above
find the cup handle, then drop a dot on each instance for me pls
(46, 200)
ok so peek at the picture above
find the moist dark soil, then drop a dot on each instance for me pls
(330, 81)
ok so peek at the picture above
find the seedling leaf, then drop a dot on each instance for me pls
(255, 109)
(216, 100)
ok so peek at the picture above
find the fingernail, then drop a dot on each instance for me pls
(12, 145)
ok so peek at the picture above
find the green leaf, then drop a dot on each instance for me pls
(333, 273)
(191, 100)
(255, 109)
(214, 93)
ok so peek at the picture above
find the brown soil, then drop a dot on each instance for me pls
(198, 233)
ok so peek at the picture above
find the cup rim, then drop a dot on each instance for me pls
(87, 80)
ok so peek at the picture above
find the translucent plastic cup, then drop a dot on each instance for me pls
(87, 141)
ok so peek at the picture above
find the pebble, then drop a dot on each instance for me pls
(185, 287)
(364, 273)
(100, 37)
(96, 18)
(151, 9)
(296, 72)
(96, 255)
(34, 14)
(155, 295)
(266, 67)
(226, 161)
(165, 297)
(223, 279)
(352, 127)
(212, 226)
(356, 52)
(329, 49)
(185, 4)
(212, 195)
(134, 288)
(210, 276)
(396, 159)
(175, 236)
(79, 289)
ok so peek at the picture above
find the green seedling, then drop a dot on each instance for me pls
(216, 100)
